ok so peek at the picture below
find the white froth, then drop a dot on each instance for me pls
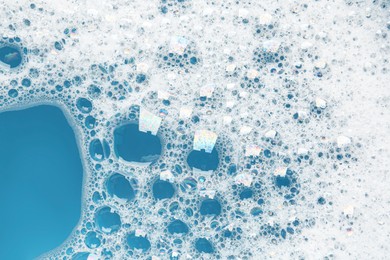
(284, 91)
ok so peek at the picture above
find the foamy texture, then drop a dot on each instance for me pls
(295, 91)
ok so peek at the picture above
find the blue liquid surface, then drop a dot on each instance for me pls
(41, 181)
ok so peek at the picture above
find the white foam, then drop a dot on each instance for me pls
(328, 55)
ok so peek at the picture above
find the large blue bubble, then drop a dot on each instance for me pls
(132, 145)
(210, 207)
(10, 56)
(107, 220)
(178, 227)
(84, 105)
(138, 242)
(203, 160)
(204, 246)
(117, 185)
(163, 189)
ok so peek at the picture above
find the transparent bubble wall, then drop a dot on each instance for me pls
(215, 129)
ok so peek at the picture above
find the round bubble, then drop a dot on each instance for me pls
(96, 197)
(84, 105)
(188, 184)
(163, 189)
(117, 185)
(107, 220)
(203, 160)
(204, 246)
(10, 56)
(98, 150)
(132, 145)
(13, 93)
(246, 193)
(90, 122)
(210, 207)
(177, 227)
(91, 240)
(282, 181)
(26, 82)
(256, 211)
(138, 242)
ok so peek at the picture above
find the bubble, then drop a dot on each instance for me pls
(58, 46)
(26, 82)
(84, 105)
(163, 189)
(232, 169)
(91, 240)
(117, 185)
(246, 193)
(98, 150)
(140, 78)
(96, 197)
(107, 220)
(138, 242)
(188, 184)
(178, 227)
(256, 211)
(90, 122)
(203, 245)
(282, 181)
(203, 161)
(81, 256)
(210, 207)
(13, 93)
(132, 145)
(321, 200)
(10, 56)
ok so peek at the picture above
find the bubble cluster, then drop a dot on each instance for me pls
(213, 130)
(179, 54)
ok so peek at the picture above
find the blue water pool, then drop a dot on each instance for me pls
(41, 181)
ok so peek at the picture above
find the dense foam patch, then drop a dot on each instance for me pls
(214, 129)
